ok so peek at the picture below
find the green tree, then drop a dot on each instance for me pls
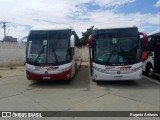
(85, 35)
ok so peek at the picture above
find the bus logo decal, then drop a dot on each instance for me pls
(110, 67)
(46, 72)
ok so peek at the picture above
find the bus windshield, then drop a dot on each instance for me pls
(116, 46)
(48, 47)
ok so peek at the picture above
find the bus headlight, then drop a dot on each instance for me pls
(99, 69)
(65, 69)
(138, 68)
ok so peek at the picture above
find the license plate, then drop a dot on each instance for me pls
(46, 78)
(118, 77)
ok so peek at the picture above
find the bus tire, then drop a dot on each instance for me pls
(91, 67)
(150, 71)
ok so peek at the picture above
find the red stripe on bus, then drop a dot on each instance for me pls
(61, 76)
(125, 67)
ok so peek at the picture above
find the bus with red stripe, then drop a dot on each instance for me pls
(151, 66)
(52, 54)
(116, 53)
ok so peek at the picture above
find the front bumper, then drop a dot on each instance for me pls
(60, 76)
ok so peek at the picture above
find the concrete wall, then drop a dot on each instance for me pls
(11, 54)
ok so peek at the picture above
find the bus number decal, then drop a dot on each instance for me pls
(110, 67)
(51, 68)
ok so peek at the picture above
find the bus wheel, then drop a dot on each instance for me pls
(150, 72)
(91, 67)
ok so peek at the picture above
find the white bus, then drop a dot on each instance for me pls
(52, 54)
(151, 65)
(116, 54)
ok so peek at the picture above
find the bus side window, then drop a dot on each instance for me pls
(72, 51)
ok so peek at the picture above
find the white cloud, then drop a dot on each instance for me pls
(113, 2)
(108, 17)
(157, 3)
(53, 13)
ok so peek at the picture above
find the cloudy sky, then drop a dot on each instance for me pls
(24, 15)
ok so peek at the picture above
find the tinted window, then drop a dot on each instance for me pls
(49, 47)
(116, 46)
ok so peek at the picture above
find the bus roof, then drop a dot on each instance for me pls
(116, 27)
(154, 33)
(51, 28)
(54, 29)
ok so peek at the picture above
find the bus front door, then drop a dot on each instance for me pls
(157, 56)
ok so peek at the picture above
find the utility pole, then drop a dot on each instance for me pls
(4, 27)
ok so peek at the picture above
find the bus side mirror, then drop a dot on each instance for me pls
(145, 43)
(72, 41)
(20, 41)
(145, 38)
(144, 56)
(90, 41)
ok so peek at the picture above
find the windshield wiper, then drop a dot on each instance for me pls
(39, 54)
(128, 59)
(110, 55)
(55, 55)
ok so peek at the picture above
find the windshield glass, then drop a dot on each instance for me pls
(116, 46)
(48, 47)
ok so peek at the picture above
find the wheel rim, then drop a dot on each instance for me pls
(150, 72)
